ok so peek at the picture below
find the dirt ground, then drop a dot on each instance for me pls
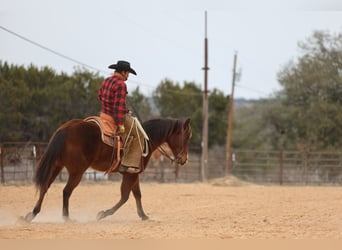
(221, 209)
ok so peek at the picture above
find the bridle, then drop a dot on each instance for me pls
(176, 159)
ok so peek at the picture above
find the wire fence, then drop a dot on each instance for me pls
(18, 162)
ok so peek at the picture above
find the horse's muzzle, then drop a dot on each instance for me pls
(182, 160)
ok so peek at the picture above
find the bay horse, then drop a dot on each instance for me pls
(77, 145)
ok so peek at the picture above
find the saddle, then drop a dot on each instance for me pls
(108, 128)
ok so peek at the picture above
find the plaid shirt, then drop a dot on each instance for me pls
(112, 95)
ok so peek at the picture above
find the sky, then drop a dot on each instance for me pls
(165, 39)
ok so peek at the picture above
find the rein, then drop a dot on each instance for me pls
(171, 158)
(162, 150)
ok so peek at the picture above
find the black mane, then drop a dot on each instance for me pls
(159, 129)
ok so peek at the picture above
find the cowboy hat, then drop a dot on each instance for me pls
(123, 66)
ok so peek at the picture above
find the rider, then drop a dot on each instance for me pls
(112, 95)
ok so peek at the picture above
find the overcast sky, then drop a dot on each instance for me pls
(165, 39)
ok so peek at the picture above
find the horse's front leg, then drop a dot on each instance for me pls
(128, 180)
(137, 195)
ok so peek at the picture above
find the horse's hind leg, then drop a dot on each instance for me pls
(42, 191)
(73, 180)
(31, 215)
(128, 180)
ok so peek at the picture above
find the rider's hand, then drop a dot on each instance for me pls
(121, 129)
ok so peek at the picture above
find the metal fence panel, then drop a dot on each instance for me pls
(18, 162)
(291, 167)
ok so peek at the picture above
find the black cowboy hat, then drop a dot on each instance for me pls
(123, 66)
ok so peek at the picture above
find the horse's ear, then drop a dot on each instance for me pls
(186, 123)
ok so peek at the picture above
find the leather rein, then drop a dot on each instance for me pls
(170, 157)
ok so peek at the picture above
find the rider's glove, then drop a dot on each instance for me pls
(121, 129)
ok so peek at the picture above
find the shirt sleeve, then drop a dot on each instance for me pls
(120, 102)
(99, 94)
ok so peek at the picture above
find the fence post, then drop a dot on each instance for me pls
(305, 156)
(281, 168)
(2, 155)
(34, 158)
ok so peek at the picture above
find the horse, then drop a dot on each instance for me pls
(77, 145)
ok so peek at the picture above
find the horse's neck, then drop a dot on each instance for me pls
(158, 139)
(155, 144)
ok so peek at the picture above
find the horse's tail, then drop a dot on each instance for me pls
(46, 166)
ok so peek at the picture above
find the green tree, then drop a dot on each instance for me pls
(37, 123)
(139, 105)
(218, 118)
(178, 101)
(312, 93)
(249, 125)
(14, 97)
(36, 101)
(80, 97)
(172, 100)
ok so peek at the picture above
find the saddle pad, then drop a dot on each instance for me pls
(107, 131)
(105, 126)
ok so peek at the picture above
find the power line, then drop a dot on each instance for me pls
(84, 64)
(50, 50)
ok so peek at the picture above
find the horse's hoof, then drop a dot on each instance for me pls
(68, 220)
(145, 217)
(22, 221)
(29, 217)
(100, 215)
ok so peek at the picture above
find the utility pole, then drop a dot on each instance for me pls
(230, 121)
(204, 160)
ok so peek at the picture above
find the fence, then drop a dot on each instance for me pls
(18, 162)
(291, 167)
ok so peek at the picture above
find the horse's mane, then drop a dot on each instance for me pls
(161, 128)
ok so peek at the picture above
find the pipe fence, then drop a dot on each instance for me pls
(18, 161)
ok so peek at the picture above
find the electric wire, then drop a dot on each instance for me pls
(49, 50)
(99, 70)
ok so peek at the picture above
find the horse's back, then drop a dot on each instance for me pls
(81, 132)
(79, 127)
(70, 123)
(82, 141)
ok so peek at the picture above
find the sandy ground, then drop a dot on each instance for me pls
(221, 209)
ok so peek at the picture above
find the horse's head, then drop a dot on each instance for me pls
(179, 142)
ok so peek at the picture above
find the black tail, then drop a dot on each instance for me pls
(46, 166)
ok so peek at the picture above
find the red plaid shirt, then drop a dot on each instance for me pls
(112, 95)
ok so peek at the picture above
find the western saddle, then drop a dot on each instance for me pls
(109, 136)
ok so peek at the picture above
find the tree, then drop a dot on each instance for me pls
(253, 125)
(14, 97)
(36, 101)
(139, 104)
(218, 118)
(80, 97)
(178, 101)
(175, 101)
(312, 94)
